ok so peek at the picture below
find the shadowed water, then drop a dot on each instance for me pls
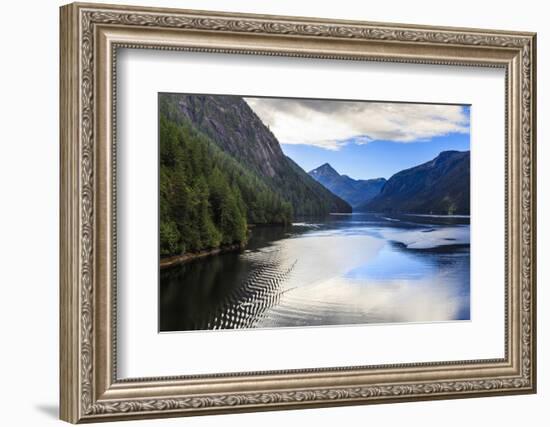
(345, 269)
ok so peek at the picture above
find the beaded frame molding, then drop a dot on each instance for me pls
(90, 37)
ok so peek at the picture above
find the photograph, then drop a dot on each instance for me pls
(289, 212)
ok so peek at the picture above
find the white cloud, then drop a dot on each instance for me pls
(333, 124)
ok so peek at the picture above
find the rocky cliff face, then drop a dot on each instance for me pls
(353, 191)
(232, 124)
(237, 130)
(440, 186)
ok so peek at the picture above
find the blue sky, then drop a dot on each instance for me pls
(377, 158)
(363, 139)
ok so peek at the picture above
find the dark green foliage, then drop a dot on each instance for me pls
(206, 197)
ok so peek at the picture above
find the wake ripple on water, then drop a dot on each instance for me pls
(261, 290)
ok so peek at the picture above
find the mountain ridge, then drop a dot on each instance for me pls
(438, 186)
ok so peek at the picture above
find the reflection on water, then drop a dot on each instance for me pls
(346, 269)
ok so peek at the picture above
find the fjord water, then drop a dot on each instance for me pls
(341, 270)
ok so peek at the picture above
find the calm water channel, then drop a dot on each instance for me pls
(345, 269)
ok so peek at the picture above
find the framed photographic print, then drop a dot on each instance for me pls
(265, 212)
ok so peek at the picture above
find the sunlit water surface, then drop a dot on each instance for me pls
(345, 269)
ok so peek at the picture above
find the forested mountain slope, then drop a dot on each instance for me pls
(440, 186)
(238, 131)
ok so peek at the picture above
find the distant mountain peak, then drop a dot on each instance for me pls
(351, 190)
(324, 169)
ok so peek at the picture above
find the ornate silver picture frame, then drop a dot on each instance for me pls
(91, 36)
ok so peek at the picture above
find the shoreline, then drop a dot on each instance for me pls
(189, 257)
(185, 258)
